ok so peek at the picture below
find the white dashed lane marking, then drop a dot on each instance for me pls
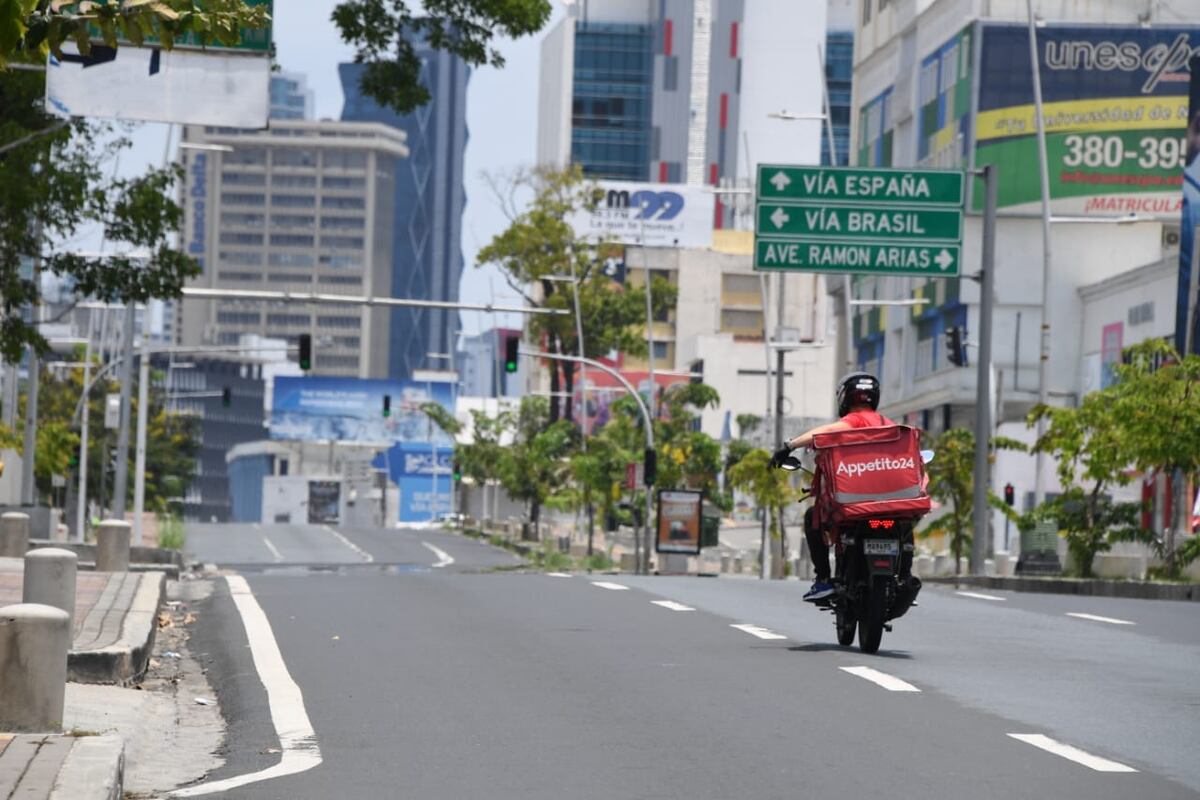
(759, 631)
(979, 596)
(1071, 753)
(616, 587)
(889, 682)
(671, 604)
(558, 574)
(1095, 618)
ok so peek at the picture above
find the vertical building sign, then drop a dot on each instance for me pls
(1187, 299)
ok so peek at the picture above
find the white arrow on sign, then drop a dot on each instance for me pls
(780, 181)
(944, 259)
(780, 218)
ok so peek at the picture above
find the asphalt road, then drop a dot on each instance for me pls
(460, 682)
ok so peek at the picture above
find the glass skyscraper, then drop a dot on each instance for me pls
(839, 71)
(429, 202)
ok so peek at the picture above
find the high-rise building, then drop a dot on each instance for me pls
(303, 206)
(427, 259)
(839, 74)
(682, 90)
(290, 96)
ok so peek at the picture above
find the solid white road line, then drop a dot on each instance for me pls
(297, 739)
(1071, 753)
(558, 574)
(363, 554)
(444, 558)
(616, 587)
(275, 554)
(889, 682)
(759, 631)
(979, 596)
(1094, 618)
(671, 604)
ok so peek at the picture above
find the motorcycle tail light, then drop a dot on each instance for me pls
(881, 523)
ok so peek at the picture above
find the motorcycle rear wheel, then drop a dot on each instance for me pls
(870, 628)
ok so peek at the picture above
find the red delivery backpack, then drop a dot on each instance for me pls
(870, 472)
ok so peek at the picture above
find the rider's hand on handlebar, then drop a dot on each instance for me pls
(778, 458)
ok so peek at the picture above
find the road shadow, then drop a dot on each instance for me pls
(821, 647)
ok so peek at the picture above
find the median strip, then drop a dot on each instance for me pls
(1071, 753)
(1095, 618)
(889, 682)
(759, 631)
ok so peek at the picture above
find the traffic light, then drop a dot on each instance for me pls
(510, 354)
(226, 397)
(650, 467)
(456, 470)
(387, 405)
(1009, 494)
(305, 351)
(954, 346)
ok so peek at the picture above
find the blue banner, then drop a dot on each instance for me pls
(353, 410)
(1184, 315)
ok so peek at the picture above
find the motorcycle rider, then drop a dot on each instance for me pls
(857, 399)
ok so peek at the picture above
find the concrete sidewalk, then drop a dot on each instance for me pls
(42, 766)
(115, 621)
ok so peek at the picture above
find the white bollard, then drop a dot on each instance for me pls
(112, 546)
(50, 579)
(14, 534)
(33, 667)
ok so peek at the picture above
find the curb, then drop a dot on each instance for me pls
(125, 661)
(1136, 590)
(94, 770)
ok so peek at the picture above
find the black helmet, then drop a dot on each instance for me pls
(857, 389)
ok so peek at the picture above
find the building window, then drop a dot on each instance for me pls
(239, 277)
(252, 156)
(243, 220)
(294, 181)
(742, 324)
(1141, 313)
(239, 317)
(240, 258)
(331, 321)
(242, 199)
(289, 320)
(291, 260)
(340, 280)
(243, 179)
(344, 203)
(340, 262)
(345, 159)
(347, 341)
(294, 157)
(661, 350)
(292, 221)
(343, 223)
(331, 361)
(289, 277)
(671, 74)
(342, 242)
(866, 11)
(342, 181)
(291, 240)
(293, 200)
(229, 237)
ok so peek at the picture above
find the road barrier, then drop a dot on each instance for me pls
(14, 534)
(33, 672)
(112, 546)
(50, 579)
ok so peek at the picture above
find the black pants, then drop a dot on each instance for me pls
(819, 551)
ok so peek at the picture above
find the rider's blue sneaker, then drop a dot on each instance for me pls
(819, 591)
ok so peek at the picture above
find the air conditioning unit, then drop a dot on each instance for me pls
(1170, 237)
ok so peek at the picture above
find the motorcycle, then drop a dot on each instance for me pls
(872, 577)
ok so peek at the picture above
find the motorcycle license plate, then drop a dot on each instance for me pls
(881, 547)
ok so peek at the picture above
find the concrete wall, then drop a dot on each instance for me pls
(555, 81)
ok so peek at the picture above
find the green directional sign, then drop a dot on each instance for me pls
(886, 259)
(859, 186)
(846, 223)
(844, 219)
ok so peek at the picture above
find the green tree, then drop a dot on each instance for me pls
(771, 489)
(51, 187)
(539, 246)
(480, 458)
(1091, 448)
(952, 483)
(534, 466)
(1156, 402)
(687, 457)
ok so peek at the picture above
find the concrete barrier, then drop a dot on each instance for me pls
(725, 563)
(14, 534)
(50, 579)
(923, 566)
(942, 565)
(1107, 565)
(628, 562)
(34, 640)
(112, 546)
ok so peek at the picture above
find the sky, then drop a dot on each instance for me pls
(501, 119)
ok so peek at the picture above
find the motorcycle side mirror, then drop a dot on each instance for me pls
(790, 464)
(926, 456)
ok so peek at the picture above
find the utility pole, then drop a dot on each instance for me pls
(31, 414)
(139, 469)
(983, 392)
(81, 512)
(121, 478)
(768, 550)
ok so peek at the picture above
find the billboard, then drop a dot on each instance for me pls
(310, 408)
(649, 214)
(1115, 108)
(603, 390)
(423, 474)
(678, 529)
(1186, 303)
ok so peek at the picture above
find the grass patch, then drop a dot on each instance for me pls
(598, 562)
(170, 533)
